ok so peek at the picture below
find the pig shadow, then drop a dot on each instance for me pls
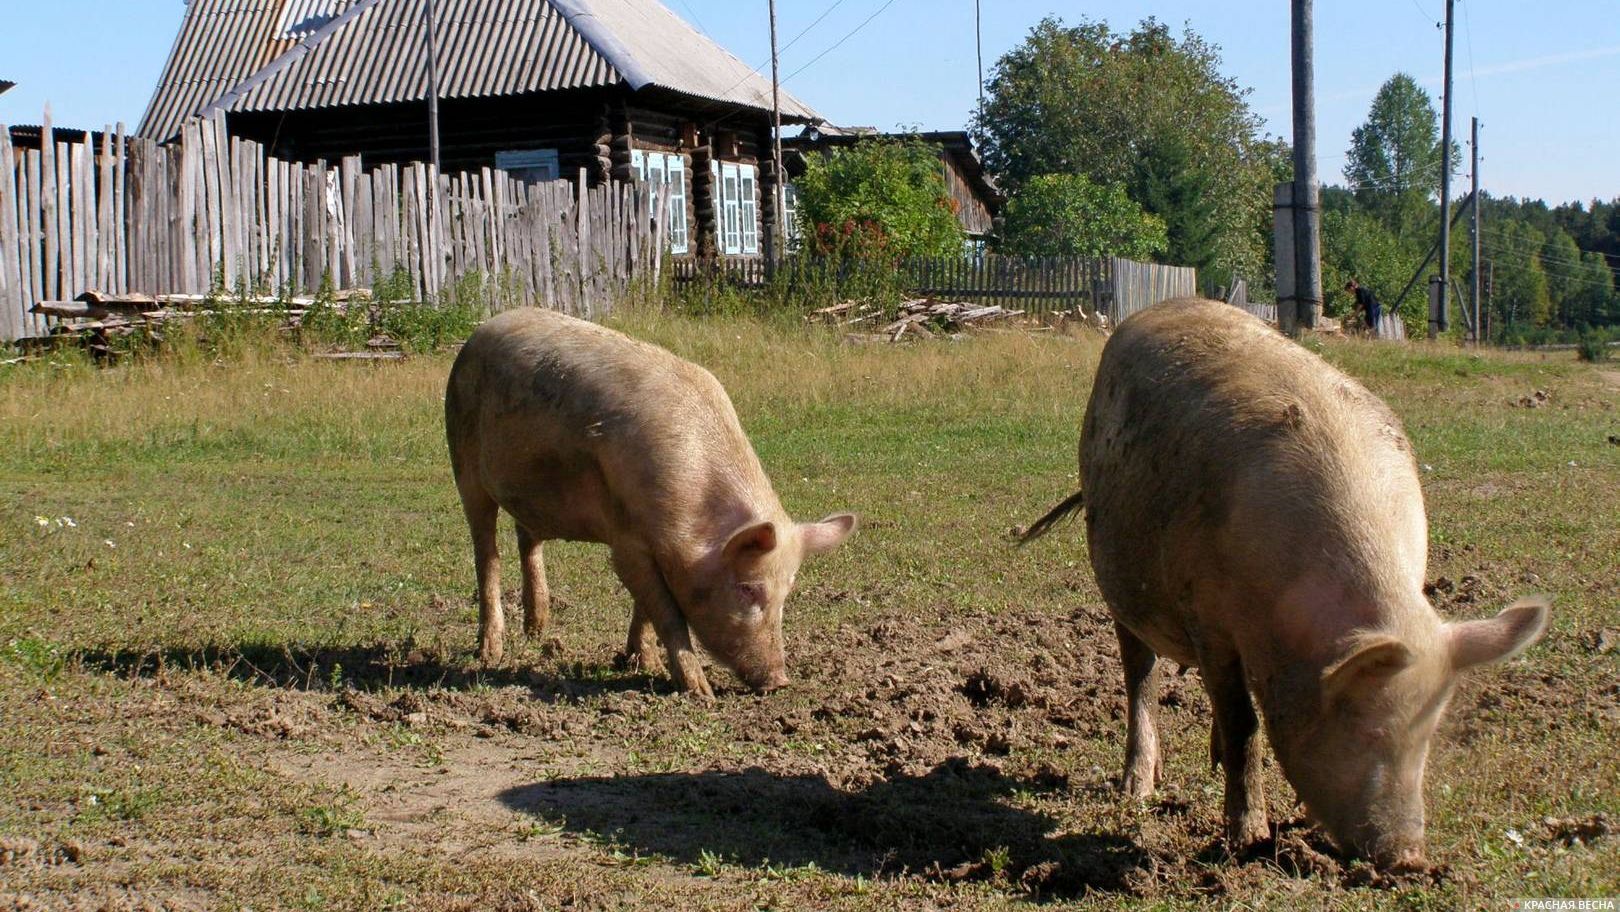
(384, 665)
(952, 824)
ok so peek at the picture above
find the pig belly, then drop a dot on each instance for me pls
(1164, 631)
(554, 496)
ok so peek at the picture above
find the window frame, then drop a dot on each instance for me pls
(666, 171)
(520, 163)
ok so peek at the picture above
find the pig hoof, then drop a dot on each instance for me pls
(490, 653)
(1138, 785)
(639, 663)
(1247, 833)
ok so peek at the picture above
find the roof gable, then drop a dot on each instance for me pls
(486, 48)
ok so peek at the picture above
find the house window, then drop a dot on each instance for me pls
(790, 216)
(747, 177)
(739, 208)
(666, 172)
(531, 166)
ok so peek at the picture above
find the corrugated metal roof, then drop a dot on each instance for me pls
(485, 48)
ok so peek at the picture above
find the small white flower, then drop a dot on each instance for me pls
(187, 544)
(1515, 837)
(42, 520)
(1427, 467)
(67, 521)
(109, 543)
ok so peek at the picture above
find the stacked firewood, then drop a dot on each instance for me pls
(917, 318)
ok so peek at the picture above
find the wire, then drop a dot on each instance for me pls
(1393, 181)
(1508, 242)
(864, 23)
(1495, 250)
(780, 51)
(695, 18)
(726, 115)
(1468, 32)
(1423, 12)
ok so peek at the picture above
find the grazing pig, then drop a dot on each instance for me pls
(582, 433)
(1255, 513)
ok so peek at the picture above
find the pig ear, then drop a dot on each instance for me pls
(1371, 658)
(819, 537)
(751, 540)
(1500, 638)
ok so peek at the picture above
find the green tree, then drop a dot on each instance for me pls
(881, 197)
(1561, 260)
(1593, 300)
(1085, 100)
(1520, 300)
(1068, 215)
(1394, 158)
(1167, 184)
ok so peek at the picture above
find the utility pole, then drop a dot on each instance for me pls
(778, 234)
(433, 90)
(978, 44)
(1299, 313)
(1479, 330)
(1438, 323)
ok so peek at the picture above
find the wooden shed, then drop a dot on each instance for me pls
(544, 89)
(978, 199)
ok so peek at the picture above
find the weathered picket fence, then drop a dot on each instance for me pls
(1112, 286)
(126, 215)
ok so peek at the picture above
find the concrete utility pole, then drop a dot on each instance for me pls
(778, 179)
(1439, 323)
(1479, 331)
(1300, 296)
(433, 90)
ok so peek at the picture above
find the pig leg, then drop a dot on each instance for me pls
(1141, 699)
(656, 604)
(482, 514)
(536, 595)
(1238, 730)
(641, 649)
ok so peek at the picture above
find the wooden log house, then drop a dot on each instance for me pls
(974, 195)
(544, 89)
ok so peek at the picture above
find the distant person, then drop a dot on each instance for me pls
(1366, 303)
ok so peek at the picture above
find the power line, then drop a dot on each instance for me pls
(695, 18)
(867, 21)
(1495, 250)
(1509, 242)
(721, 118)
(1468, 33)
(791, 42)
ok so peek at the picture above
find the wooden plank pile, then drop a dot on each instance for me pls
(99, 317)
(916, 318)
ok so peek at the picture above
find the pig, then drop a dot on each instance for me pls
(584, 434)
(1255, 513)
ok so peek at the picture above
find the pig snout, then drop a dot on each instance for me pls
(1400, 850)
(763, 668)
(776, 680)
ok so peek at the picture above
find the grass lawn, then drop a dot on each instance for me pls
(237, 661)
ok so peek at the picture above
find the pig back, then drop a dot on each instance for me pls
(1220, 460)
(541, 400)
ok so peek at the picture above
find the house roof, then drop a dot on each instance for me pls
(277, 55)
(6, 84)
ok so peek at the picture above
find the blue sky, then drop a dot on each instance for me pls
(1544, 77)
